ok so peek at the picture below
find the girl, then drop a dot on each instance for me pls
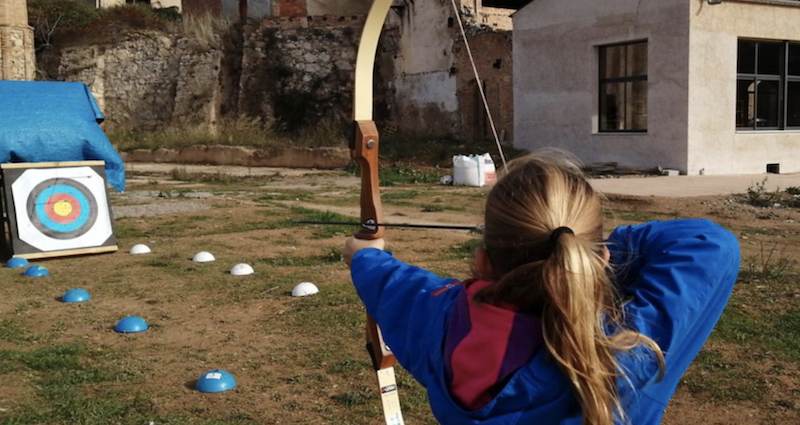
(557, 326)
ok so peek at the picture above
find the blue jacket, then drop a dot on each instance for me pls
(677, 276)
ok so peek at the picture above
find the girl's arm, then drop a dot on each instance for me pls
(677, 276)
(405, 303)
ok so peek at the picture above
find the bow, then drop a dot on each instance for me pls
(364, 149)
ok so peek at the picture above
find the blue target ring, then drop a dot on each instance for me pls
(41, 202)
(44, 197)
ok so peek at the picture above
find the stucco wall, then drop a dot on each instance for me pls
(425, 89)
(714, 144)
(556, 78)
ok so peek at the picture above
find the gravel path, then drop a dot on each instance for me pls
(158, 208)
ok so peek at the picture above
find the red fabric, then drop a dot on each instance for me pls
(477, 360)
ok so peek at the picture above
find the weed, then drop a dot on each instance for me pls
(204, 30)
(793, 190)
(758, 196)
(766, 266)
(432, 208)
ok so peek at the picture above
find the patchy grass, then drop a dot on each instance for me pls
(724, 380)
(302, 360)
(233, 132)
(333, 256)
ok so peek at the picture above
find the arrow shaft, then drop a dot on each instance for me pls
(405, 225)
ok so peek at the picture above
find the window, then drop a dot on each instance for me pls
(768, 85)
(623, 87)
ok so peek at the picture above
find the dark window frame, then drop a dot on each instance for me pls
(783, 79)
(626, 79)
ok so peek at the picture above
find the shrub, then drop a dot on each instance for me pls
(758, 195)
(76, 21)
(51, 18)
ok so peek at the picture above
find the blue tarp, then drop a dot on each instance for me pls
(49, 122)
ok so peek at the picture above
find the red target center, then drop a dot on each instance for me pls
(63, 208)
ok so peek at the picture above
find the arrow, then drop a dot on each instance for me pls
(371, 225)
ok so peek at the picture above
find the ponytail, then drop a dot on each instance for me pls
(542, 235)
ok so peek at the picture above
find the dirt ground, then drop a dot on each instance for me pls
(301, 360)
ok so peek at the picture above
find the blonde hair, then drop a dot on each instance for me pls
(560, 276)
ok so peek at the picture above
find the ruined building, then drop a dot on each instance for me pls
(424, 63)
(294, 70)
(16, 42)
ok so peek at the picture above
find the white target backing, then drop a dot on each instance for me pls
(60, 208)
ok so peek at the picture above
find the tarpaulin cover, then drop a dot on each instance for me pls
(54, 122)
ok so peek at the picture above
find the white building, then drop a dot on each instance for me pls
(702, 86)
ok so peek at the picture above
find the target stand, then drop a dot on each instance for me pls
(55, 209)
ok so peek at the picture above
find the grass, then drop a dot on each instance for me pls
(301, 360)
(248, 132)
(723, 380)
(219, 178)
(333, 256)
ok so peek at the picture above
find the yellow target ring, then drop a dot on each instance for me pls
(62, 208)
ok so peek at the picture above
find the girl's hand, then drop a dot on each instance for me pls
(354, 245)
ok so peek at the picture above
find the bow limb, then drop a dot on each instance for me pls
(364, 148)
(365, 152)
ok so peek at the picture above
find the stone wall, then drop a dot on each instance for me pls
(295, 72)
(147, 81)
(17, 61)
(299, 71)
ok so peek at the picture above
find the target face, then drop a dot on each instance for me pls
(61, 208)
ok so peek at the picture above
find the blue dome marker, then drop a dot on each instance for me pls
(36, 271)
(76, 295)
(131, 324)
(17, 262)
(215, 381)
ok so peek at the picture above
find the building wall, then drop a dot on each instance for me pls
(17, 61)
(432, 84)
(492, 51)
(714, 144)
(422, 52)
(556, 78)
(155, 3)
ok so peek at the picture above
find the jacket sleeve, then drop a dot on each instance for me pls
(676, 277)
(400, 298)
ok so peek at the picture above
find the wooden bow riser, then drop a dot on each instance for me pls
(365, 152)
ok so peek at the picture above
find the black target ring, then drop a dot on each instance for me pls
(62, 208)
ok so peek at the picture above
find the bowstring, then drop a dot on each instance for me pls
(478, 81)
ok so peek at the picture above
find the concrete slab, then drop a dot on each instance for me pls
(682, 186)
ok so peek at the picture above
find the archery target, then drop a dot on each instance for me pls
(61, 208)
